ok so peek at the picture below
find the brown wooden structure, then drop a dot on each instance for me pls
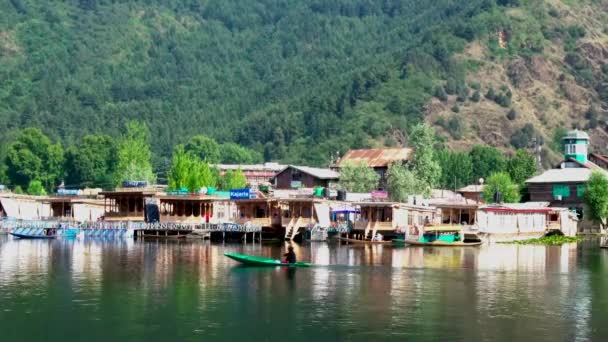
(193, 209)
(391, 217)
(126, 204)
(305, 177)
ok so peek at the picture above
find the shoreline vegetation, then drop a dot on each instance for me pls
(554, 240)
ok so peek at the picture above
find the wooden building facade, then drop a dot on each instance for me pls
(293, 177)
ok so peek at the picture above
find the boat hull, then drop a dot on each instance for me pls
(365, 242)
(250, 260)
(437, 243)
(40, 237)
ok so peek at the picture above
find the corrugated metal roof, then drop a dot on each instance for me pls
(274, 167)
(376, 157)
(562, 175)
(317, 172)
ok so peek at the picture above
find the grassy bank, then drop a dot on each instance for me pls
(547, 240)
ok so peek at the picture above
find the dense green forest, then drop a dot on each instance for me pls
(295, 81)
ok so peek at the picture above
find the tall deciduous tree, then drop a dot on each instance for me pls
(32, 156)
(92, 162)
(501, 182)
(134, 156)
(596, 197)
(181, 167)
(201, 175)
(456, 169)
(358, 178)
(521, 167)
(401, 183)
(424, 164)
(233, 179)
(486, 161)
(205, 148)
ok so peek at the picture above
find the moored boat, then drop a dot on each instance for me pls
(365, 242)
(251, 260)
(47, 233)
(442, 236)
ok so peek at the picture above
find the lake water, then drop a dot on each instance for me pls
(188, 291)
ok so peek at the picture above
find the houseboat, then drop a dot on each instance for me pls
(519, 221)
(382, 221)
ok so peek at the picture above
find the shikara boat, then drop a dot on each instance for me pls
(365, 242)
(440, 243)
(442, 236)
(45, 234)
(251, 260)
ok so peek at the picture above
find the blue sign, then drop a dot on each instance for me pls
(240, 194)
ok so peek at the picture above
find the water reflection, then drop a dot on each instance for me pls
(166, 290)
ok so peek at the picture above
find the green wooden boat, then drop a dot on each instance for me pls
(251, 260)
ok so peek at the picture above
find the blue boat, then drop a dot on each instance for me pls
(46, 233)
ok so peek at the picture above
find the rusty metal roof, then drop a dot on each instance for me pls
(376, 157)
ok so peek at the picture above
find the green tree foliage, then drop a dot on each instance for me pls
(456, 169)
(521, 167)
(501, 182)
(32, 156)
(401, 183)
(231, 153)
(486, 161)
(18, 190)
(188, 171)
(181, 166)
(424, 165)
(557, 140)
(201, 175)
(596, 197)
(204, 148)
(523, 137)
(134, 156)
(296, 81)
(233, 179)
(35, 188)
(91, 163)
(358, 178)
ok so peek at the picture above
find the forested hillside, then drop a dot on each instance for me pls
(299, 80)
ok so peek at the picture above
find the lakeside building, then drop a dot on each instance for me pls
(195, 209)
(75, 208)
(256, 174)
(24, 207)
(391, 218)
(454, 208)
(564, 185)
(127, 204)
(473, 192)
(295, 177)
(285, 216)
(519, 221)
(377, 158)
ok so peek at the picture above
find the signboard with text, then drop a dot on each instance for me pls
(236, 194)
(379, 194)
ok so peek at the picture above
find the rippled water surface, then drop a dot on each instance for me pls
(188, 291)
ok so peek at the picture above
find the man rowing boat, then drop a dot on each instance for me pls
(290, 256)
